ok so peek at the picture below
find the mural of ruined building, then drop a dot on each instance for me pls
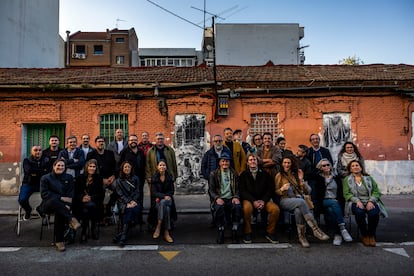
(337, 131)
(189, 147)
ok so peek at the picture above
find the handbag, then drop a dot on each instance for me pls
(309, 201)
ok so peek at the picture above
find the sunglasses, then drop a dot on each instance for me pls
(325, 165)
(218, 141)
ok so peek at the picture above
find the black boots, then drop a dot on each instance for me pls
(220, 235)
(124, 233)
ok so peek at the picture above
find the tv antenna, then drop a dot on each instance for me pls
(119, 20)
(176, 15)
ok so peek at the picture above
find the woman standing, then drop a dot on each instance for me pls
(328, 196)
(89, 195)
(127, 189)
(56, 189)
(291, 188)
(348, 153)
(362, 192)
(162, 191)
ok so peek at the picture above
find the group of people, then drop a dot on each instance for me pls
(246, 181)
(81, 185)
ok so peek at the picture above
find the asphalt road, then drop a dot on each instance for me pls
(195, 252)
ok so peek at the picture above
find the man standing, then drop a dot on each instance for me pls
(158, 152)
(52, 152)
(315, 154)
(34, 167)
(237, 152)
(74, 157)
(85, 146)
(210, 161)
(238, 137)
(107, 168)
(303, 162)
(145, 144)
(269, 155)
(256, 190)
(118, 144)
(224, 190)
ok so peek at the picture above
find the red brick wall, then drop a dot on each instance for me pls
(377, 123)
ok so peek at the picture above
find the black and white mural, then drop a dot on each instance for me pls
(189, 147)
(336, 131)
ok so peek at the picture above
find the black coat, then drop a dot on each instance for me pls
(95, 190)
(260, 189)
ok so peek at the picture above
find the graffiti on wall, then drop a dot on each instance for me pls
(336, 131)
(189, 146)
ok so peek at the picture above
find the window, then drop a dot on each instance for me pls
(120, 60)
(119, 40)
(80, 49)
(264, 122)
(98, 50)
(109, 123)
(38, 134)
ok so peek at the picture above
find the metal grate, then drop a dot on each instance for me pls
(109, 123)
(264, 122)
(38, 134)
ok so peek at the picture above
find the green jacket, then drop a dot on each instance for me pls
(151, 162)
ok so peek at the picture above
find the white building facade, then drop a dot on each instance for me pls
(29, 34)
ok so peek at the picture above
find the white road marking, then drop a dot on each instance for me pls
(127, 248)
(398, 251)
(258, 245)
(9, 249)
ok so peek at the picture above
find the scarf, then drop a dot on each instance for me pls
(254, 173)
(348, 157)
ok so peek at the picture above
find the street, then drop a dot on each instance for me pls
(195, 251)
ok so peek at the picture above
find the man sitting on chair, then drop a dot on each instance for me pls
(256, 190)
(33, 167)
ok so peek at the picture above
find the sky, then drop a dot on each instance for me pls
(375, 31)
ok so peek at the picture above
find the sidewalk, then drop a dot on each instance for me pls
(201, 203)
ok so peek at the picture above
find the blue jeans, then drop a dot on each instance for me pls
(131, 215)
(26, 191)
(164, 212)
(360, 217)
(334, 213)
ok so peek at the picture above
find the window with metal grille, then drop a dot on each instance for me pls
(264, 122)
(109, 123)
(38, 134)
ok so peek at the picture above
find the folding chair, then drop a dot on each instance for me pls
(34, 200)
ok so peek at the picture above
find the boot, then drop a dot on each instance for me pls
(344, 232)
(234, 236)
(220, 235)
(317, 232)
(302, 236)
(84, 236)
(94, 231)
(123, 236)
(157, 231)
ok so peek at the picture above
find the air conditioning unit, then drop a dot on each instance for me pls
(78, 56)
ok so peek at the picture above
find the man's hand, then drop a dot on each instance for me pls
(235, 200)
(219, 201)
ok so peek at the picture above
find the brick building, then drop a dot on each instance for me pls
(371, 104)
(115, 48)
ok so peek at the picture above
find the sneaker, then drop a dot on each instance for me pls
(271, 238)
(346, 235)
(74, 224)
(247, 238)
(26, 216)
(337, 240)
(60, 246)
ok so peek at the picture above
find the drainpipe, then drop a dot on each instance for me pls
(67, 49)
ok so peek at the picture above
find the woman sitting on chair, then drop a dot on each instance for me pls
(89, 195)
(291, 187)
(127, 190)
(56, 189)
(362, 192)
(162, 191)
(328, 192)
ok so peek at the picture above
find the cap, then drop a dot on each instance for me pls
(225, 156)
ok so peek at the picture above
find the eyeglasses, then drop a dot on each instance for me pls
(325, 165)
(218, 141)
